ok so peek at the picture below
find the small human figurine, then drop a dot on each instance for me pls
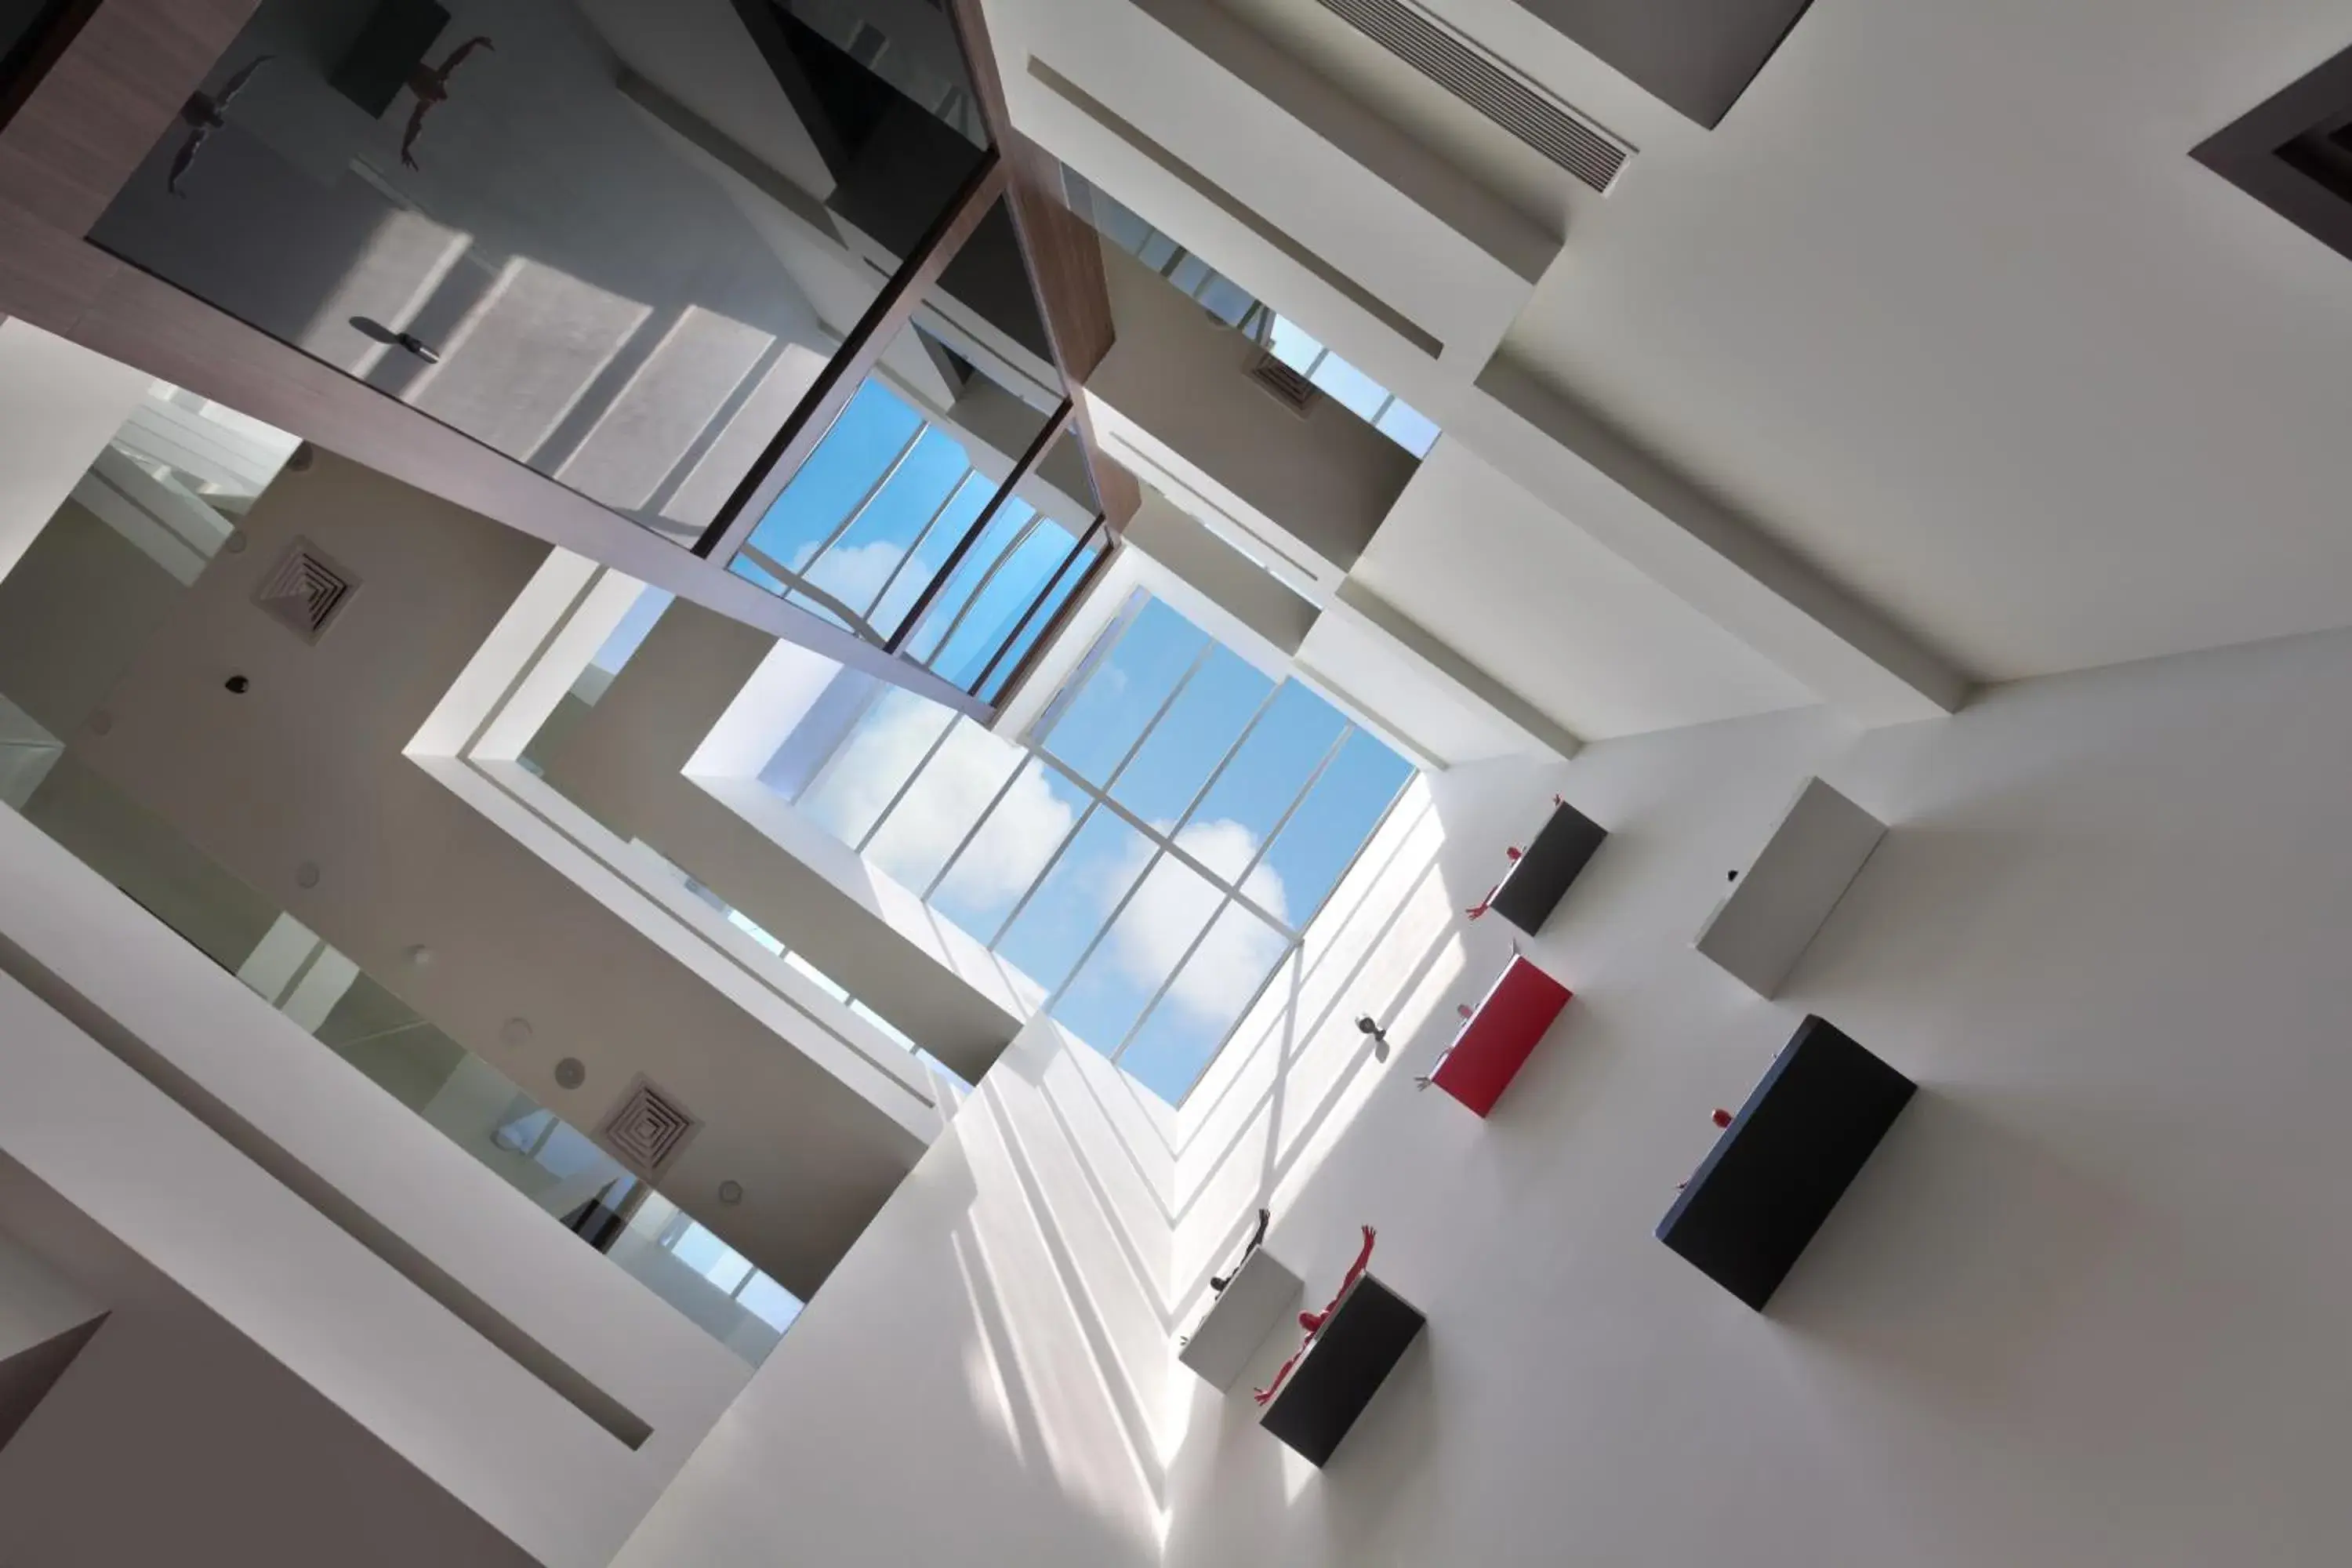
(1257, 1239)
(1313, 1321)
(432, 89)
(1481, 907)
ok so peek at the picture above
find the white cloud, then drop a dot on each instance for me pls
(1174, 902)
(1159, 923)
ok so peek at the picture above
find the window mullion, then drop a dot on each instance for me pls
(1288, 953)
(980, 822)
(865, 501)
(906, 560)
(1185, 818)
(825, 769)
(908, 783)
(1292, 810)
(1215, 879)
(981, 587)
(1158, 713)
(1192, 947)
(1104, 930)
(1039, 880)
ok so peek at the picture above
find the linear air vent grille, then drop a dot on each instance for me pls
(647, 1129)
(1283, 384)
(1475, 77)
(305, 591)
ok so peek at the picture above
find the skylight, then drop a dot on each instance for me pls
(1148, 857)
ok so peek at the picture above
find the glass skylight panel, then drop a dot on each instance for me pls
(1137, 953)
(1052, 933)
(1308, 857)
(880, 755)
(1189, 1024)
(1184, 748)
(857, 454)
(1123, 695)
(1015, 842)
(1265, 777)
(857, 566)
(1121, 861)
(944, 804)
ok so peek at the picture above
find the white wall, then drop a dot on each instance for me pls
(2086, 1306)
(173, 1438)
(331, 1312)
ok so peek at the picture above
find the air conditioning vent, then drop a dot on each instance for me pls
(647, 1129)
(306, 591)
(1284, 385)
(1482, 82)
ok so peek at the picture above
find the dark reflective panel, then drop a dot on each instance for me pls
(615, 239)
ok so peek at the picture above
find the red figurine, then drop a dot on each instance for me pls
(1722, 1117)
(1475, 910)
(1313, 1321)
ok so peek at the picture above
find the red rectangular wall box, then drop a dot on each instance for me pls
(1495, 1043)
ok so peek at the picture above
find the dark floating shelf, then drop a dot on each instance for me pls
(1369, 1333)
(1537, 879)
(1776, 1173)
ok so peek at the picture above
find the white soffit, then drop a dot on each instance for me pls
(1946, 305)
(1527, 597)
(1264, 161)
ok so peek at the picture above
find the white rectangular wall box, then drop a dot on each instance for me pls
(1260, 1294)
(1760, 930)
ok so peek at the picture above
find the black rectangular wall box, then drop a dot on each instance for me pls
(389, 50)
(1536, 880)
(1779, 1169)
(1368, 1334)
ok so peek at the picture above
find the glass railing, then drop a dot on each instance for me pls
(561, 1170)
(897, 527)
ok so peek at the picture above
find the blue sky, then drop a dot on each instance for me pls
(1111, 880)
(924, 507)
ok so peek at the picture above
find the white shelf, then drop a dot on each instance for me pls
(1773, 912)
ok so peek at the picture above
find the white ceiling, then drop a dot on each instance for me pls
(1946, 306)
(1484, 566)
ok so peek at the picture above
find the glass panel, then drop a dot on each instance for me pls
(770, 1302)
(865, 560)
(1359, 394)
(1185, 1031)
(1137, 953)
(925, 827)
(1332, 823)
(1292, 346)
(1005, 600)
(322, 992)
(1201, 726)
(881, 755)
(376, 191)
(877, 432)
(1408, 428)
(709, 1257)
(1258, 785)
(1073, 571)
(1010, 849)
(1070, 905)
(1125, 690)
